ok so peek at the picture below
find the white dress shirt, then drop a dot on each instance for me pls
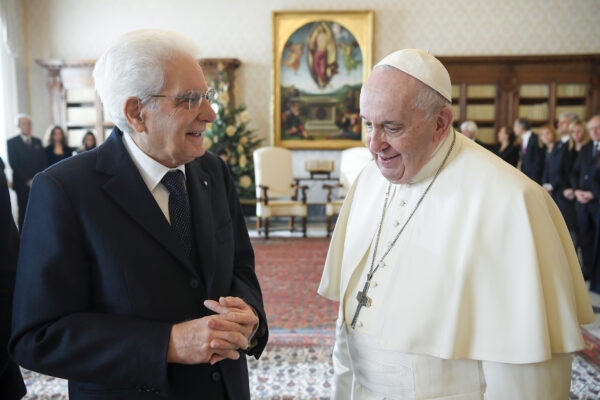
(26, 139)
(152, 173)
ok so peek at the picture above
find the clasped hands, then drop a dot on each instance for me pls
(215, 337)
(584, 196)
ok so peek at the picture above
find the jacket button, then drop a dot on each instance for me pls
(216, 376)
(194, 283)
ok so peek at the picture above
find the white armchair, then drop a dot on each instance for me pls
(276, 193)
(352, 161)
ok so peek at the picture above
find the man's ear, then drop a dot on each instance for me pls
(133, 114)
(444, 119)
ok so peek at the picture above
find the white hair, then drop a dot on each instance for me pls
(572, 116)
(430, 101)
(21, 116)
(427, 98)
(468, 126)
(133, 67)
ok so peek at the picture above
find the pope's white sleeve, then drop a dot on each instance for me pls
(548, 380)
(342, 367)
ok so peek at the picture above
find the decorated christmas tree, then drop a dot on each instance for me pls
(230, 138)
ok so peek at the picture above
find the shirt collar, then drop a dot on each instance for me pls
(151, 170)
(430, 168)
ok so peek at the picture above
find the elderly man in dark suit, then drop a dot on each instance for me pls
(137, 278)
(26, 157)
(585, 179)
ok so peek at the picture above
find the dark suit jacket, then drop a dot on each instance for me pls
(554, 168)
(102, 278)
(585, 170)
(11, 382)
(25, 161)
(532, 162)
(510, 154)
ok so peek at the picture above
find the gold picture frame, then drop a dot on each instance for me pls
(320, 61)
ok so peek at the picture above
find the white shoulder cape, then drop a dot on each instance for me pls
(494, 273)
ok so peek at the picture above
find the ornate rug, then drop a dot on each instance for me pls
(289, 271)
(297, 361)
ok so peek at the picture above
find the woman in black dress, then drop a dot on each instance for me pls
(57, 148)
(506, 148)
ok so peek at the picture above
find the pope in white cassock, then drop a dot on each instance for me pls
(456, 275)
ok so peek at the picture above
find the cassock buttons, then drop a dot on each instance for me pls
(194, 283)
(396, 223)
(402, 203)
(216, 376)
(374, 284)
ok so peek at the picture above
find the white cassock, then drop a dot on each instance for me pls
(481, 297)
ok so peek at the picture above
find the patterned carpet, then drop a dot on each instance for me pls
(297, 361)
(289, 271)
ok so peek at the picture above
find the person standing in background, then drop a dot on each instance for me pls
(553, 159)
(88, 142)
(506, 148)
(532, 155)
(469, 129)
(568, 155)
(586, 191)
(57, 149)
(26, 157)
(11, 381)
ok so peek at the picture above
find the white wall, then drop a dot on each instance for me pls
(79, 29)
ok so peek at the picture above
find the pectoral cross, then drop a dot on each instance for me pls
(363, 300)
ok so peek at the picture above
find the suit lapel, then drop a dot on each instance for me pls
(199, 190)
(127, 188)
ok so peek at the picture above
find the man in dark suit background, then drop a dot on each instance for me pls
(137, 277)
(532, 154)
(11, 381)
(585, 180)
(26, 158)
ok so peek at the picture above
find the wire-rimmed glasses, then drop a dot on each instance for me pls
(193, 97)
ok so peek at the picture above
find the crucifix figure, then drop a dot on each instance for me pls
(363, 301)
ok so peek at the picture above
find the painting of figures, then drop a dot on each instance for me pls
(320, 70)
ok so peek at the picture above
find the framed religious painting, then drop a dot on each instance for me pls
(320, 61)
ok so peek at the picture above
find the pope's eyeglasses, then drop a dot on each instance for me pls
(193, 98)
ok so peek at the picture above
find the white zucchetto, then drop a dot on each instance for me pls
(422, 66)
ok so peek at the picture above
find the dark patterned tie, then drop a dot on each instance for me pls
(179, 208)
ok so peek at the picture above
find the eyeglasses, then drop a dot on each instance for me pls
(193, 98)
